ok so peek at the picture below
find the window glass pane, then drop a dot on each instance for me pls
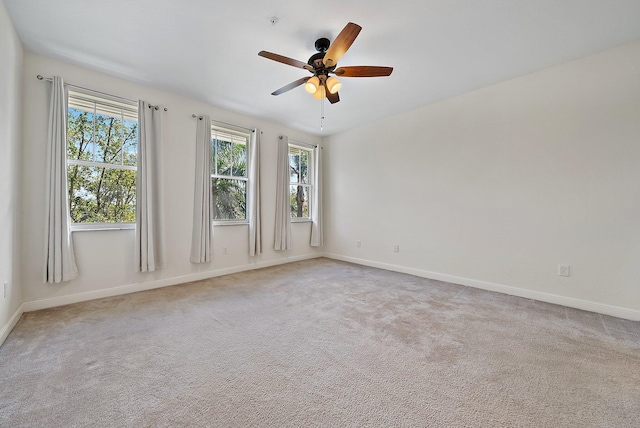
(108, 139)
(229, 199)
(239, 160)
(298, 165)
(304, 166)
(130, 142)
(101, 195)
(224, 157)
(80, 135)
(214, 154)
(299, 199)
(229, 156)
(294, 165)
(103, 131)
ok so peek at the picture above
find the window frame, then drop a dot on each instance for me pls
(310, 174)
(115, 102)
(245, 178)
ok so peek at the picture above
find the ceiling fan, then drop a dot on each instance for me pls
(324, 63)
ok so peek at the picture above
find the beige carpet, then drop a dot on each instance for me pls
(319, 343)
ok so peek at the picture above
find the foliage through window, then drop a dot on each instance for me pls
(229, 174)
(102, 143)
(300, 185)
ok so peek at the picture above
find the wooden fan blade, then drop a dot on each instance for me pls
(333, 98)
(285, 60)
(363, 71)
(291, 85)
(341, 44)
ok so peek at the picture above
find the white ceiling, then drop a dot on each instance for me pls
(207, 49)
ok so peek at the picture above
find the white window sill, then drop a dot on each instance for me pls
(300, 220)
(231, 223)
(93, 227)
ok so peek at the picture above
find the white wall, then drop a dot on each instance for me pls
(105, 258)
(497, 187)
(10, 105)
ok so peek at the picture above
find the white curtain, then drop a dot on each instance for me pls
(255, 234)
(202, 230)
(60, 263)
(316, 199)
(283, 220)
(149, 250)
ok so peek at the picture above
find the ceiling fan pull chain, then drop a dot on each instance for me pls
(321, 114)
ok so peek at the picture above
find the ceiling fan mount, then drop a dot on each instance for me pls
(322, 44)
(324, 62)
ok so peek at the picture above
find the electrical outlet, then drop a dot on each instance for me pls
(358, 244)
(224, 250)
(396, 248)
(564, 270)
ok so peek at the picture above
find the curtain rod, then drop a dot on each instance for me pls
(223, 123)
(49, 79)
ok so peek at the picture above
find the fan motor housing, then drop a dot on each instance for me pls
(315, 61)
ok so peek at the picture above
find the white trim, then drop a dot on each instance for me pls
(93, 164)
(300, 220)
(235, 130)
(571, 302)
(230, 222)
(4, 333)
(301, 144)
(36, 305)
(79, 227)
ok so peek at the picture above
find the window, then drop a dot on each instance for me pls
(229, 175)
(300, 184)
(102, 143)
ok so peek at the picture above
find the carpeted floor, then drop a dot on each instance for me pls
(319, 343)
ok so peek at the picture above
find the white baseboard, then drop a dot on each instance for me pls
(4, 333)
(586, 305)
(52, 302)
(571, 302)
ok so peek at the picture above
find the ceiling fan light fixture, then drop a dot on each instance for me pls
(333, 85)
(320, 93)
(312, 85)
(320, 84)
